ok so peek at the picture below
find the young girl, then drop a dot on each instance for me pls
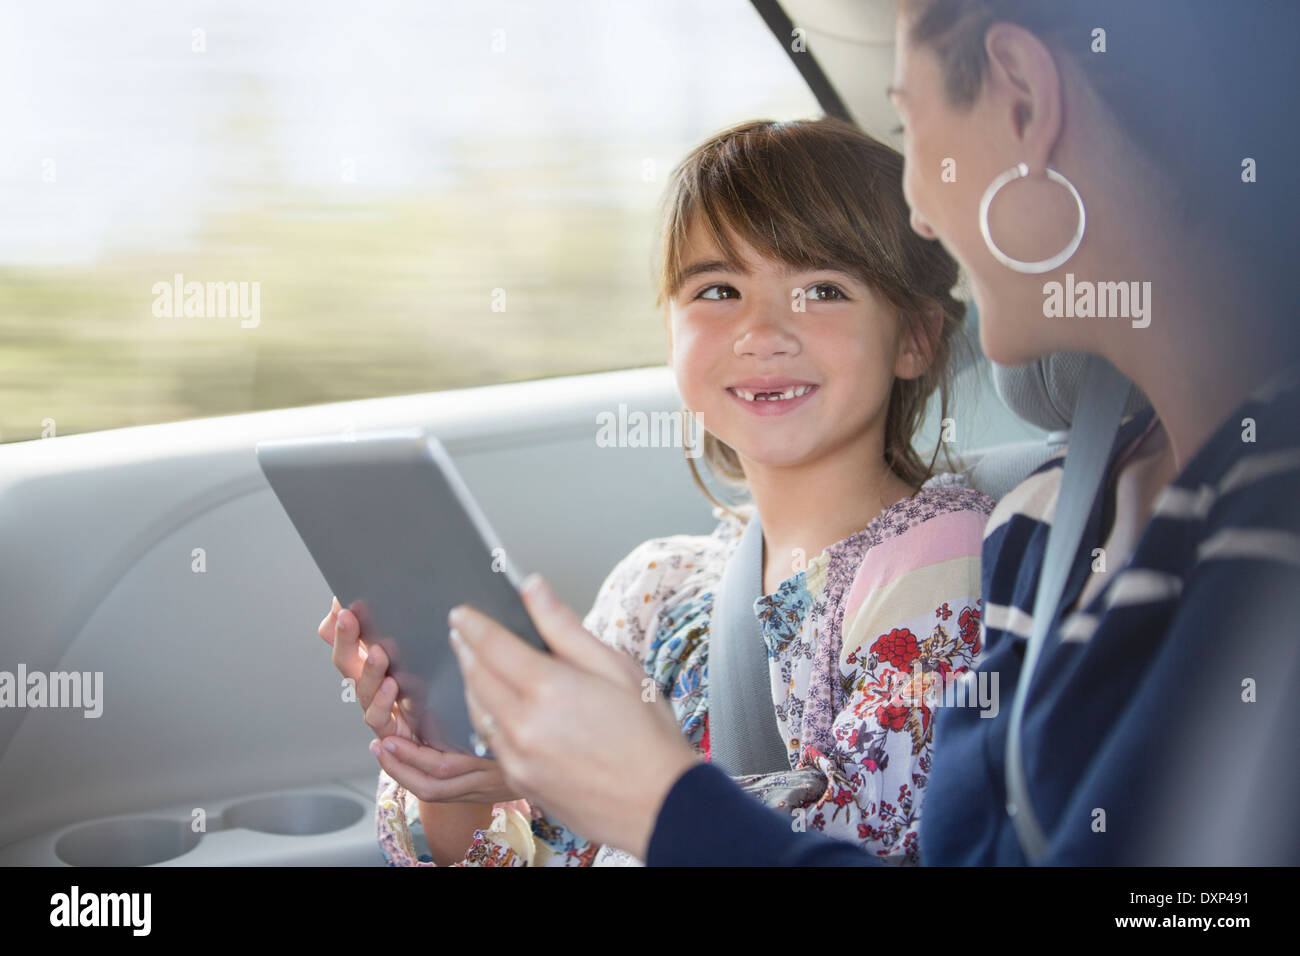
(811, 399)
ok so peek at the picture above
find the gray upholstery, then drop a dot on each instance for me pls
(998, 469)
(1043, 393)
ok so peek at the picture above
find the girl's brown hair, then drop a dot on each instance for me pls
(817, 194)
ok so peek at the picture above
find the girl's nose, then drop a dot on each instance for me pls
(765, 333)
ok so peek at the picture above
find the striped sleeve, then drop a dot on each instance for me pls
(1199, 766)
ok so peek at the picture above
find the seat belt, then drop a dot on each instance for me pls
(1097, 412)
(743, 734)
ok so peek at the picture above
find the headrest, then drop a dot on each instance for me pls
(1043, 392)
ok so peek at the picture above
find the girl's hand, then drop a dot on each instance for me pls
(432, 775)
(581, 730)
(437, 776)
(367, 668)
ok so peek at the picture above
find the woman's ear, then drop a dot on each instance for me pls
(1025, 84)
(920, 336)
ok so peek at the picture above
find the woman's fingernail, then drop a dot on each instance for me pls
(374, 748)
(390, 746)
(539, 591)
(456, 617)
(458, 641)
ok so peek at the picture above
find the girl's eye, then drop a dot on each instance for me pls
(825, 292)
(731, 293)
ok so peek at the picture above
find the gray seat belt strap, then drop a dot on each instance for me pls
(1097, 413)
(743, 734)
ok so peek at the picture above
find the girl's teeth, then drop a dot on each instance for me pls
(793, 392)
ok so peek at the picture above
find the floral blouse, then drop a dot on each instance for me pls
(858, 643)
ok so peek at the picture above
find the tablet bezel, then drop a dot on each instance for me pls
(405, 483)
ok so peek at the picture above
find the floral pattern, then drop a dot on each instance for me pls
(854, 701)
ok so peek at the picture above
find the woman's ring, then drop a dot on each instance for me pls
(481, 741)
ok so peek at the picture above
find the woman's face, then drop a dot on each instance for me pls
(737, 332)
(950, 157)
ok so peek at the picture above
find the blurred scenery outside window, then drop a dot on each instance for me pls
(373, 199)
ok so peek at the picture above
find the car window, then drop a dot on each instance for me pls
(219, 207)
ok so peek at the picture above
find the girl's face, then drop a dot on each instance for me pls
(950, 157)
(783, 387)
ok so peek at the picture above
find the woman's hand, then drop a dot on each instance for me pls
(581, 730)
(434, 776)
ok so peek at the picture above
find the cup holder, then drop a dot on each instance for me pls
(132, 842)
(294, 814)
(146, 840)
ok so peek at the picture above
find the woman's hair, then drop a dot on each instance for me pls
(817, 194)
(1197, 86)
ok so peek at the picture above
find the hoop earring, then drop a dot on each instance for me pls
(1019, 265)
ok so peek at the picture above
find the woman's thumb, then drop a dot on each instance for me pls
(564, 634)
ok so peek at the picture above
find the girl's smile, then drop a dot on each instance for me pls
(772, 397)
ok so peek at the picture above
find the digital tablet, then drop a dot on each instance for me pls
(400, 541)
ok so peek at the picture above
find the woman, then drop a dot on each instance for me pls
(1162, 701)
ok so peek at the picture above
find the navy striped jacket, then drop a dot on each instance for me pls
(1162, 721)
